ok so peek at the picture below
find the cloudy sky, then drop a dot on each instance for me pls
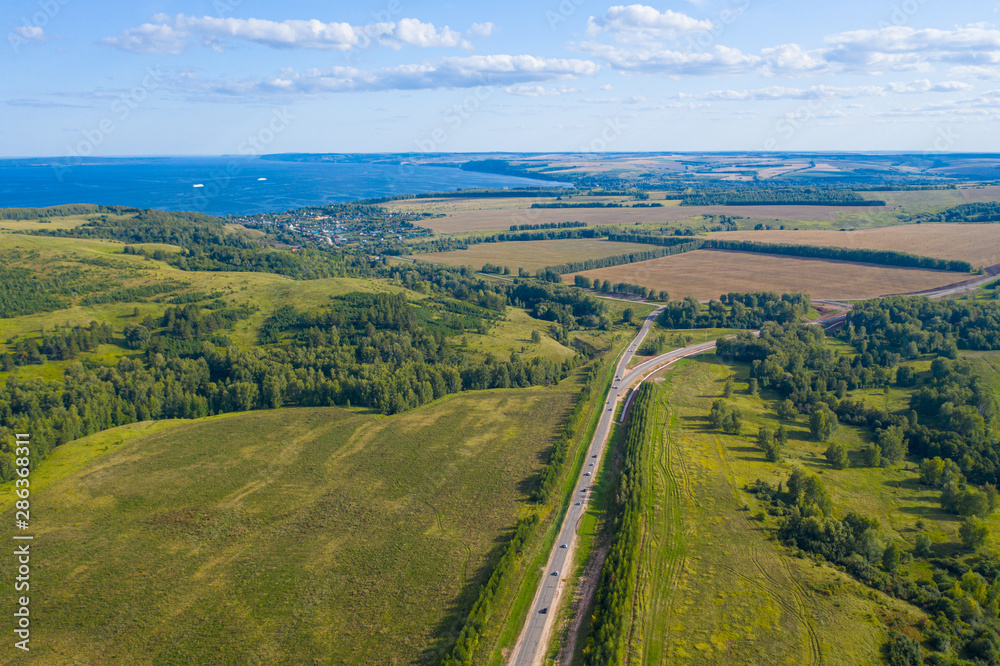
(149, 77)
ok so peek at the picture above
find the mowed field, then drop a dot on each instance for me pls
(712, 587)
(500, 219)
(294, 536)
(979, 244)
(708, 273)
(532, 255)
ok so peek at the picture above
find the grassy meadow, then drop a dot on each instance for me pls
(712, 585)
(297, 535)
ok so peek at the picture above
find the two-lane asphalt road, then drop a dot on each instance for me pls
(531, 644)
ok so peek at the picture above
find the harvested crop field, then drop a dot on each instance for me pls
(708, 273)
(532, 255)
(500, 219)
(979, 244)
(980, 193)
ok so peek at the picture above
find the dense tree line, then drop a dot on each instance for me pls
(766, 196)
(582, 204)
(985, 211)
(552, 471)
(621, 259)
(621, 288)
(464, 650)
(861, 255)
(547, 225)
(447, 244)
(679, 237)
(735, 310)
(613, 602)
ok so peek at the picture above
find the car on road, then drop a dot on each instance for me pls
(544, 610)
(586, 473)
(590, 464)
(594, 456)
(578, 504)
(564, 546)
(556, 572)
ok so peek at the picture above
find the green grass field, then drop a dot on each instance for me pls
(295, 535)
(713, 587)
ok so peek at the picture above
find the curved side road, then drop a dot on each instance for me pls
(531, 644)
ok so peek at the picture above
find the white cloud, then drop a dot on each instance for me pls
(831, 92)
(465, 72)
(30, 32)
(975, 72)
(172, 35)
(781, 92)
(720, 60)
(901, 47)
(971, 52)
(644, 23)
(792, 60)
(541, 91)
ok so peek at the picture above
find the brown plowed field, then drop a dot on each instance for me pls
(709, 273)
(979, 244)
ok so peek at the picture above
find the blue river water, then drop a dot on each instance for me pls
(224, 185)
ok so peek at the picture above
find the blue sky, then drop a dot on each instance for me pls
(240, 76)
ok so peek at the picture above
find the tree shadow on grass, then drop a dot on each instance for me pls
(699, 423)
(447, 630)
(911, 483)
